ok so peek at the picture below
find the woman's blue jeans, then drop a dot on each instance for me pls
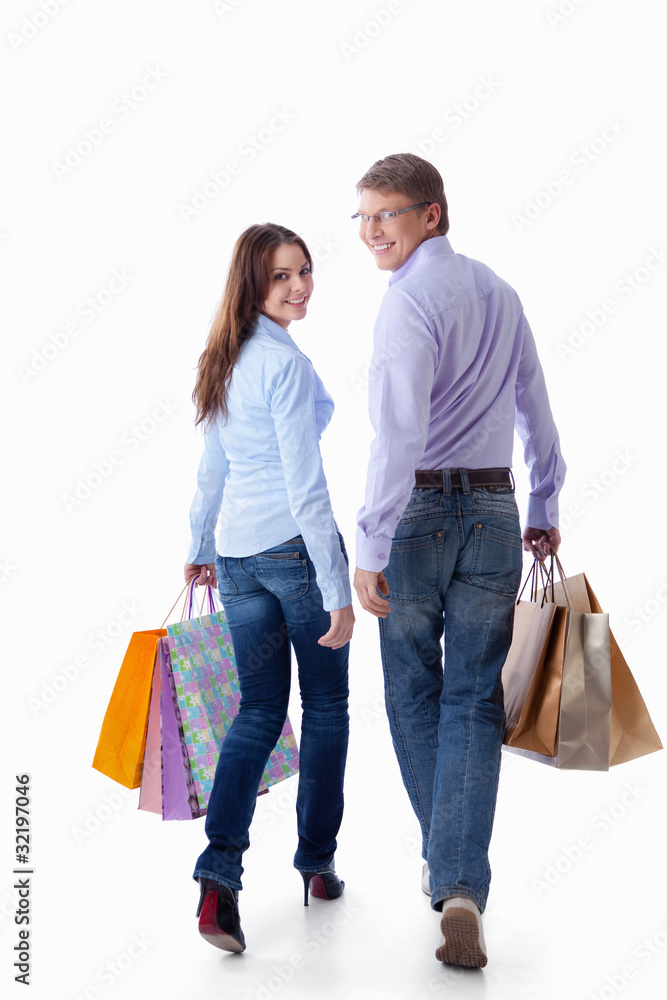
(272, 603)
(455, 565)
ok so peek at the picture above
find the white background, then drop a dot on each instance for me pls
(502, 98)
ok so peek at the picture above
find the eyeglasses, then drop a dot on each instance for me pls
(386, 216)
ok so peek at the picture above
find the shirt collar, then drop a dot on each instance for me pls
(274, 330)
(433, 247)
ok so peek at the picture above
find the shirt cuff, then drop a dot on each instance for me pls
(338, 594)
(200, 553)
(541, 513)
(372, 553)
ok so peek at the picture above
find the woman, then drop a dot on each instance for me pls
(280, 567)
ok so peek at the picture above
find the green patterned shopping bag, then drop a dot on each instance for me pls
(205, 693)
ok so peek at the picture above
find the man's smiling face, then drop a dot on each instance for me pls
(392, 242)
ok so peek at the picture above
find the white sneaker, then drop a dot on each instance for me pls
(426, 880)
(462, 934)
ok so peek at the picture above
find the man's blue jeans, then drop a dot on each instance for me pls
(272, 602)
(455, 564)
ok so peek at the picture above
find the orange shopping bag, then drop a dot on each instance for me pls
(120, 748)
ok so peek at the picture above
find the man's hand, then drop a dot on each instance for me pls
(540, 542)
(205, 574)
(342, 624)
(366, 585)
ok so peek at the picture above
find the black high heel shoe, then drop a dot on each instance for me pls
(323, 885)
(218, 912)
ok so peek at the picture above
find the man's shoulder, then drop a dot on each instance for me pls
(449, 280)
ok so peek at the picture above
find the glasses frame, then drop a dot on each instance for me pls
(381, 217)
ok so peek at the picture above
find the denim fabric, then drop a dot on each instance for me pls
(455, 566)
(273, 603)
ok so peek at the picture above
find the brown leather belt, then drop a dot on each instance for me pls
(433, 479)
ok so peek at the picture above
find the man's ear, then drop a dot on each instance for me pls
(433, 213)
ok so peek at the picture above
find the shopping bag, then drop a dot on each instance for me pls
(632, 733)
(199, 698)
(573, 689)
(164, 784)
(584, 719)
(150, 795)
(532, 672)
(120, 748)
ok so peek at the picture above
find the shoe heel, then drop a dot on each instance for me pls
(306, 876)
(207, 913)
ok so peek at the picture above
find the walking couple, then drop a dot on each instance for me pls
(438, 548)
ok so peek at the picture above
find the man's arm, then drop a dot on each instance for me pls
(399, 396)
(537, 431)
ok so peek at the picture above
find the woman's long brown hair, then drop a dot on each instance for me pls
(245, 292)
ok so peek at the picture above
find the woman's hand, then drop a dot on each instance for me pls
(205, 573)
(342, 624)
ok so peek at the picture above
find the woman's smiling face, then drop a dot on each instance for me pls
(290, 285)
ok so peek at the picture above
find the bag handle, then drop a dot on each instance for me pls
(188, 603)
(193, 600)
(173, 606)
(550, 577)
(532, 578)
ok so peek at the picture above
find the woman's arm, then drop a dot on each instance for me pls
(205, 508)
(292, 405)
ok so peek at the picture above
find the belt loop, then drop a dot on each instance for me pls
(465, 485)
(512, 479)
(446, 482)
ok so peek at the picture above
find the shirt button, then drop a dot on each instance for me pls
(557, 479)
(382, 555)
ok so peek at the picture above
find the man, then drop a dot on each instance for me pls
(454, 371)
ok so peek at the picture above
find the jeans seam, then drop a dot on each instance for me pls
(406, 756)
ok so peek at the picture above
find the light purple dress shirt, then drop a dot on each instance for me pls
(454, 371)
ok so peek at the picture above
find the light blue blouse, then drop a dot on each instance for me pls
(260, 479)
